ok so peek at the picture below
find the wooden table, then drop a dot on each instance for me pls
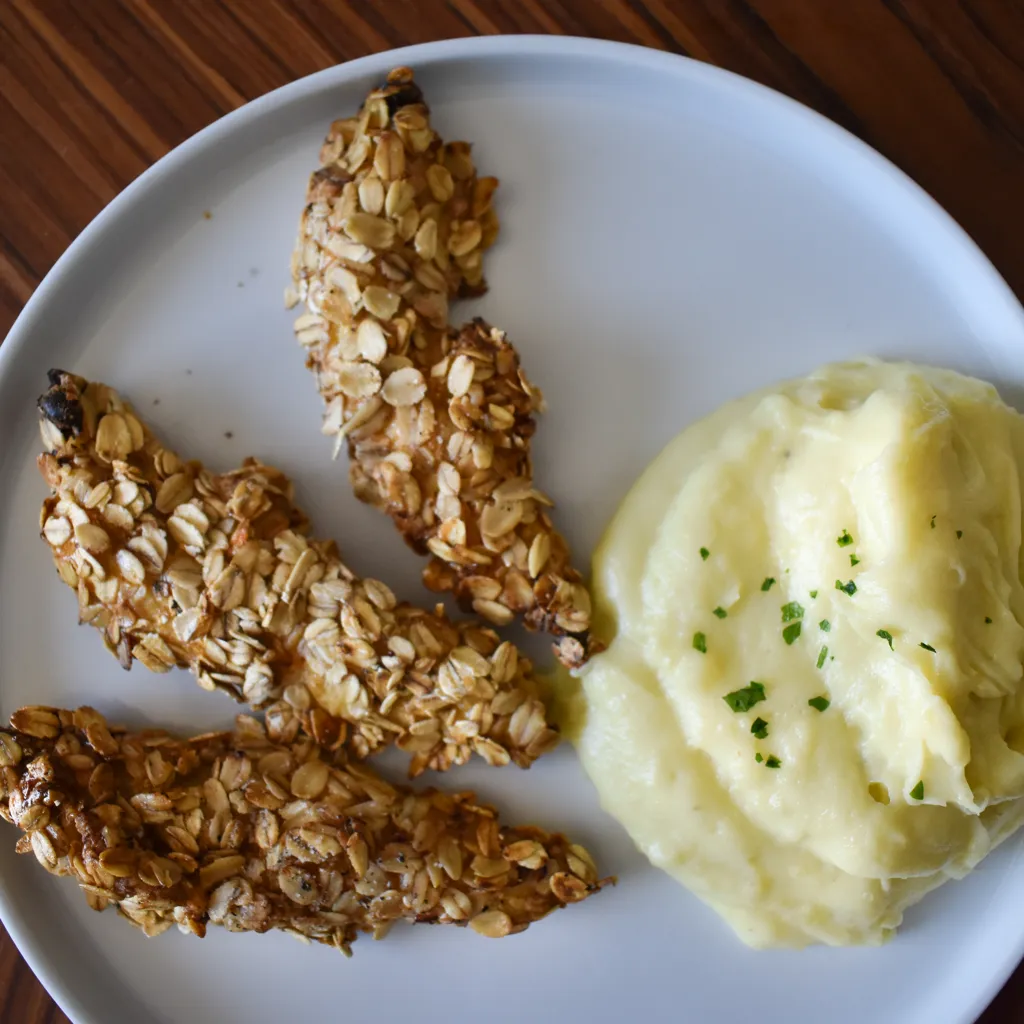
(94, 91)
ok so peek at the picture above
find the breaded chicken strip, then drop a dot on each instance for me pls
(253, 831)
(439, 420)
(214, 573)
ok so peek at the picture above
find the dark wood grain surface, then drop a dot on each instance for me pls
(94, 91)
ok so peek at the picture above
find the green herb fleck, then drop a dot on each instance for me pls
(959, 534)
(825, 626)
(791, 632)
(791, 611)
(854, 560)
(758, 758)
(767, 585)
(814, 594)
(988, 621)
(704, 553)
(849, 587)
(933, 522)
(760, 728)
(887, 636)
(822, 655)
(927, 647)
(819, 703)
(918, 791)
(721, 612)
(700, 643)
(745, 699)
(772, 762)
(844, 539)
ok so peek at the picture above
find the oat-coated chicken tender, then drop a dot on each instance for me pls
(254, 831)
(438, 419)
(180, 566)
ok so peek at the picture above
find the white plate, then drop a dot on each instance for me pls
(672, 236)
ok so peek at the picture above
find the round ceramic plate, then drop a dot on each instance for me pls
(672, 236)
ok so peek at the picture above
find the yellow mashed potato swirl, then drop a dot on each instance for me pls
(851, 542)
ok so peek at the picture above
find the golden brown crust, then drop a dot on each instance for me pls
(215, 573)
(236, 830)
(438, 420)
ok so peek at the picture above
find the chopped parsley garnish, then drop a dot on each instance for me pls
(822, 655)
(887, 636)
(745, 699)
(772, 762)
(704, 553)
(918, 791)
(819, 703)
(814, 594)
(844, 539)
(700, 643)
(758, 758)
(959, 534)
(849, 587)
(927, 647)
(825, 626)
(760, 728)
(720, 612)
(854, 560)
(768, 582)
(791, 632)
(791, 611)
(988, 621)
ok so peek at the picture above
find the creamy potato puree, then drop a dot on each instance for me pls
(814, 540)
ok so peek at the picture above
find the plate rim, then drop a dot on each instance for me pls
(439, 52)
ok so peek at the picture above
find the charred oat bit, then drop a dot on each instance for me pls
(243, 831)
(215, 573)
(438, 420)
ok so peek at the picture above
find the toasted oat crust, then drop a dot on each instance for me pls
(248, 832)
(214, 573)
(438, 419)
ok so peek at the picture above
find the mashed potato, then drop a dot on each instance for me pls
(812, 711)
